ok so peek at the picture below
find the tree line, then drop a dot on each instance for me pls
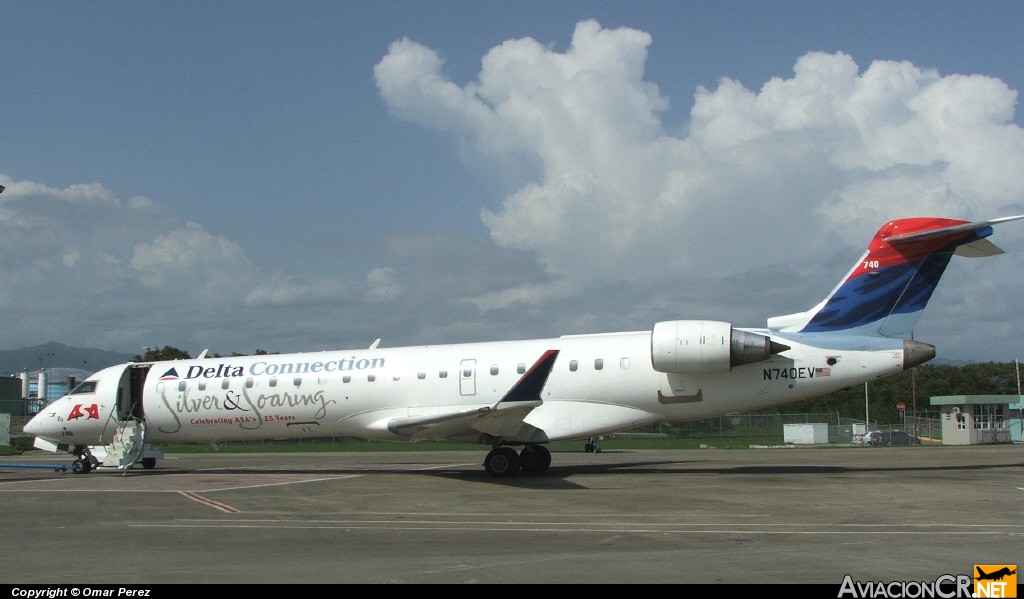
(923, 382)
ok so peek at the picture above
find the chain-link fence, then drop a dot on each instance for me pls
(926, 426)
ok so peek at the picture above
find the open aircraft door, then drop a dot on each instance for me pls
(129, 393)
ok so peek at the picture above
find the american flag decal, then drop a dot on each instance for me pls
(822, 371)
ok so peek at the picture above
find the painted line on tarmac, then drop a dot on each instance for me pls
(590, 527)
(209, 502)
(287, 482)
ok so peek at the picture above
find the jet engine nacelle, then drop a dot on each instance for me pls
(705, 346)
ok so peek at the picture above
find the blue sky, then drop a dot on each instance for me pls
(298, 176)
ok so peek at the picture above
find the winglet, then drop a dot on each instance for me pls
(532, 383)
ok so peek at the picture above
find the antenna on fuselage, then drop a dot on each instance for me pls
(375, 344)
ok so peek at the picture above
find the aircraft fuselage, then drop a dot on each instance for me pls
(358, 392)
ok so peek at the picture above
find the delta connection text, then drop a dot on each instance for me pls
(263, 368)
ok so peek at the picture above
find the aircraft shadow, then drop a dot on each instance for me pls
(556, 477)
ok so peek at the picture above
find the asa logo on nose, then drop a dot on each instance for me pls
(79, 411)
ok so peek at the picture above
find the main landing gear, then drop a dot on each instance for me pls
(504, 461)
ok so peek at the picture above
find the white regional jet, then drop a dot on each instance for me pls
(525, 393)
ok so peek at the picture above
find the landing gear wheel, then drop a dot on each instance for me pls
(502, 462)
(148, 463)
(535, 458)
(81, 466)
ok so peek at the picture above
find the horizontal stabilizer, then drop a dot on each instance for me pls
(947, 232)
(982, 248)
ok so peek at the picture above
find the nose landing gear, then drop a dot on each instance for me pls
(85, 463)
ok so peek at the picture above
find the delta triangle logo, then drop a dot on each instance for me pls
(170, 375)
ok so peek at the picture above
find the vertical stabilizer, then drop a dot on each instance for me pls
(889, 287)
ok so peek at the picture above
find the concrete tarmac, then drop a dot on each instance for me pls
(779, 515)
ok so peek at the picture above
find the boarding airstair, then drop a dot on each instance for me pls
(127, 447)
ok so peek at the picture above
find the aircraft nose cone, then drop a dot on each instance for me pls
(37, 427)
(32, 427)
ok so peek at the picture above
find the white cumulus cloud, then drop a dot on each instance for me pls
(761, 177)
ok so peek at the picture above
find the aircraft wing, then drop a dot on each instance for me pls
(504, 418)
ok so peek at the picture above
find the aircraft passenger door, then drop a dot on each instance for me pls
(467, 377)
(129, 393)
(137, 381)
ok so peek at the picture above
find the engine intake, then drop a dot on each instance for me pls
(706, 346)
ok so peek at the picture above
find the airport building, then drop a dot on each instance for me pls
(26, 393)
(979, 419)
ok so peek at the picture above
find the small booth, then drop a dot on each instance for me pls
(976, 419)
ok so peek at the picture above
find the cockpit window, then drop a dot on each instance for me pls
(85, 387)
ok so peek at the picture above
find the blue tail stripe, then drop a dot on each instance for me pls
(916, 297)
(902, 289)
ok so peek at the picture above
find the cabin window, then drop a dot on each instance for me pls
(494, 369)
(181, 385)
(273, 381)
(467, 373)
(347, 378)
(598, 364)
(443, 374)
(371, 377)
(623, 363)
(421, 375)
(225, 384)
(520, 368)
(85, 387)
(573, 365)
(396, 377)
(297, 381)
(248, 383)
(202, 385)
